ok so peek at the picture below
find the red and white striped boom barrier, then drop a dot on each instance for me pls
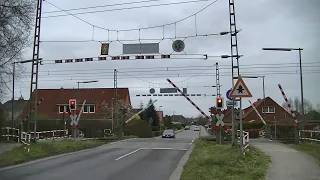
(39, 102)
(194, 105)
(255, 109)
(290, 109)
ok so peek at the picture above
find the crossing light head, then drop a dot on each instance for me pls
(72, 104)
(219, 102)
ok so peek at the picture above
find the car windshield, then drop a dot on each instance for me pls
(168, 131)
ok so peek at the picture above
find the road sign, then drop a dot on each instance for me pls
(152, 91)
(240, 90)
(104, 48)
(178, 45)
(228, 93)
(141, 48)
(73, 118)
(231, 103)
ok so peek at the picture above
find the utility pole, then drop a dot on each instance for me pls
(234, 60)
(115, 87)
(12, 106)
(35, 68)
(218, 80)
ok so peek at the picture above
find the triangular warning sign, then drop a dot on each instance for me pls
(240, 90)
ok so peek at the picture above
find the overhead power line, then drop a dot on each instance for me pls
(178, 68)
(100, 6)
(133, 29)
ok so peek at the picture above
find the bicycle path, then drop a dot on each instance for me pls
(287, 163)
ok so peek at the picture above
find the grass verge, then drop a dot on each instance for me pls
(41, 150)
(209, 161)
(311, 149)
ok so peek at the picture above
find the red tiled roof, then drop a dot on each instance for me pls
(249, 109)
(53, 97)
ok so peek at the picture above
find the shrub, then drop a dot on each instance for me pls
(252, 125)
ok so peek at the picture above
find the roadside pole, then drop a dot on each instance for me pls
(240, 90)
(241, 127)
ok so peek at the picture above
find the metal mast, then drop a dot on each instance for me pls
(115, 87)
(35, 67)
(234, 57)
(218, 81)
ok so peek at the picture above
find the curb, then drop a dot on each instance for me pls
(176, 174)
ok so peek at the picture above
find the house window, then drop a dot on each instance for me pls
(61, 109)
(91, 109)
(85, 109)
(269, 109)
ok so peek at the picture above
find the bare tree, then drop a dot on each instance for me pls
(15, 27)
(106, 111)
(296, 105)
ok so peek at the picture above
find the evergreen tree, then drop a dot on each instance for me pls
(151, 113)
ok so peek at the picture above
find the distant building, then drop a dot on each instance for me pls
(18, 107)
(178, 119)
(56, 102)
(267, 108)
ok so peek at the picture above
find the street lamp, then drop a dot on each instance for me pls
(12, 102)
(263, 87)
(301, 80)
(78, 96)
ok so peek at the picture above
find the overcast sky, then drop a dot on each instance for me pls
(264, 23)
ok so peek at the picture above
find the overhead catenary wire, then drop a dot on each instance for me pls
(182, 68)
(136, 29)
(100, 6)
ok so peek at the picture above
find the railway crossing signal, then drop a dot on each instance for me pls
(219, 103)
(72, 104)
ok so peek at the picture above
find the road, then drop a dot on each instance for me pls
(134, 159)
(287, 163)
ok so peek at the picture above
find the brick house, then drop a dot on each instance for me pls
(160, 115)
(55, 104)
(18, 107)
(272, 111)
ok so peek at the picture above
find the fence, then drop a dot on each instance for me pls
(245, 140)
(13, 134)
(310, 135)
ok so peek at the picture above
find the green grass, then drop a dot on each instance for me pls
(311, 149)
(209, 161)
(40, 150)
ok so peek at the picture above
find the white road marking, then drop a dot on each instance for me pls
(269, 139)
(113, 142)
(166, 149)
(191, 141)
(127, 154)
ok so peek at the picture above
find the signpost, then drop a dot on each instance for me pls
(141, 48)
(178, 45)
(104, 49)
(75, 116)
(240, 90)
(228, 93)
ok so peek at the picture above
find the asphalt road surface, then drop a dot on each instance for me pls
(134, 159)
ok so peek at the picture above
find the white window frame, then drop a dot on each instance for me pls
(94, 108)
(87, 109)
(64, 108)
(269, 107)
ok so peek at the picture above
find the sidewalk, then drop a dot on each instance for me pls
(4, 147)
(287, 163)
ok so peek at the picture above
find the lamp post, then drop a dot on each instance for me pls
(12, 102)
(264, 92)
(78, 96)
(301, 79)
